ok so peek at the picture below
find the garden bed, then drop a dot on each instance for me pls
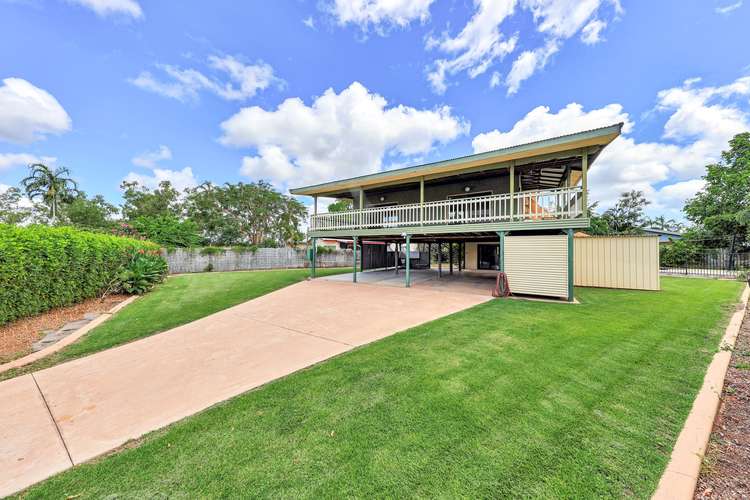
(726, 467)
(17, 337)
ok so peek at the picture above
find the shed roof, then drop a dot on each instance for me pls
(522, 153)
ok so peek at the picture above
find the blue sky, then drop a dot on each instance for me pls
(298, 92)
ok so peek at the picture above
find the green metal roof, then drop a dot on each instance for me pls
(599, 136)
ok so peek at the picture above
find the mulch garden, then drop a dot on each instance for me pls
(16, 338)
(726, 466)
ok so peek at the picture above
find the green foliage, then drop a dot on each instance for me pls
(53, 187)
(250, 213)
(627, 215)
(141, 201)
(11, 210)
(90, 213)
(341, 205)
(722, 208)
(212, 250)
(324, 250)
(44, 267)
(166, 230)
(143, 271)
(678, 253)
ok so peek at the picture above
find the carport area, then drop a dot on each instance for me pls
(475, 283)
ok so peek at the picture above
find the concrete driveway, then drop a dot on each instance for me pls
(71, 413)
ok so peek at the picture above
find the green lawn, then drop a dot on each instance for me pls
(179, 300)
(507, 399)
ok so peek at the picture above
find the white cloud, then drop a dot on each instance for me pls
(338, 135)
(379, 14)
(481, 42)
(104, 8)
(180, 179)
(149, 159)
(527, 63)
(12, 160)
(700, 121)
(28, 113)
(495, 79)
(309, 22)
(728, 8)
(591, 33)
(243, 80)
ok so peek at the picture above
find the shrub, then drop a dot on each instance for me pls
(43, 267)
(144, 270)
(212, 250)
(167, 230)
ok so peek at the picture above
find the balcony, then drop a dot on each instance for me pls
(553, 204)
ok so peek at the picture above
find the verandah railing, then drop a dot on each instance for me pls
(562, 203)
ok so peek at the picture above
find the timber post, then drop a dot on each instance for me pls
(501, 251)
(408, 260)
(571, 275)
(354, 253)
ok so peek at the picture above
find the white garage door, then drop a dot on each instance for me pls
(537, 265)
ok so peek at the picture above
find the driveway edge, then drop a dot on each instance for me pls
(681, 475)
(35, 356)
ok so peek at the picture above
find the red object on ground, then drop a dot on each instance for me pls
(502, 287)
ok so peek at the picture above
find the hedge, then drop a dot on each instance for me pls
(43, 267)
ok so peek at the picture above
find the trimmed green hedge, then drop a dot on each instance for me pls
(43, 267)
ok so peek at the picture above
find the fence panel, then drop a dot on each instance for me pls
(630, 262)
(712, 263)
(186, 260)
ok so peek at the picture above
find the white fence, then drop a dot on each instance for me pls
(563, 203)
(194, 260)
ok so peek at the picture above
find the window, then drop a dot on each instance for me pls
(488, 257)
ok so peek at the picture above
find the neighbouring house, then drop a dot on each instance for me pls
(664, 236)
(514, 209)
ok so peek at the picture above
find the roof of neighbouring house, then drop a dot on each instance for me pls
(664, 232)
(597, 138)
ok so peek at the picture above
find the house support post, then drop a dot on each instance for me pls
(571, 275)
(421, 201)
(512, 188)
(362, 257)
(460, 256)
(408, 260)
(450, 257)
(354, 253)
(396, 255)
(585, 183)
(313, 256)
(440, 259)
(501, 251)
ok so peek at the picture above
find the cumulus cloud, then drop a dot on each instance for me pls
(28, 113)
(12, 160)
(699, 123)
(337, 135)
(104, 8)
(379, 14)
(481, 42)
(180, 179)
(149, 159)
(241, 81)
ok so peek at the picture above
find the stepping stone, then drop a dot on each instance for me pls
(74, 325)
(91, 316)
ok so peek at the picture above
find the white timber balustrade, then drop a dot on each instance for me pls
(562, 203)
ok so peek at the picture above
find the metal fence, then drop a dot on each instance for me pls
(712, 264)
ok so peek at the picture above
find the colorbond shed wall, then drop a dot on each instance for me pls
(617, 262)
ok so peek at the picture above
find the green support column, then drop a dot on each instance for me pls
(585, 183)
(571, 275)
(408, 260)
(501, 251)
(313, 256)
(354, 274)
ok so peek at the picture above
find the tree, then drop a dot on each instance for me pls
(53, 187)
(627, 215)
(722, 208)
(245, 213)
(93, 213)
(12, 209)
(664, 224)
(140, 201)
(341, 205)
(598, 225)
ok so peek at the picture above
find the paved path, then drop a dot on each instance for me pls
(70, 413)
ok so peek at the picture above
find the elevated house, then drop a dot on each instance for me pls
(513, 209)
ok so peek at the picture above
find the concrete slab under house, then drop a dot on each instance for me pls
(513, 210)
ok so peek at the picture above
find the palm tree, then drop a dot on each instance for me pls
(52, 186)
